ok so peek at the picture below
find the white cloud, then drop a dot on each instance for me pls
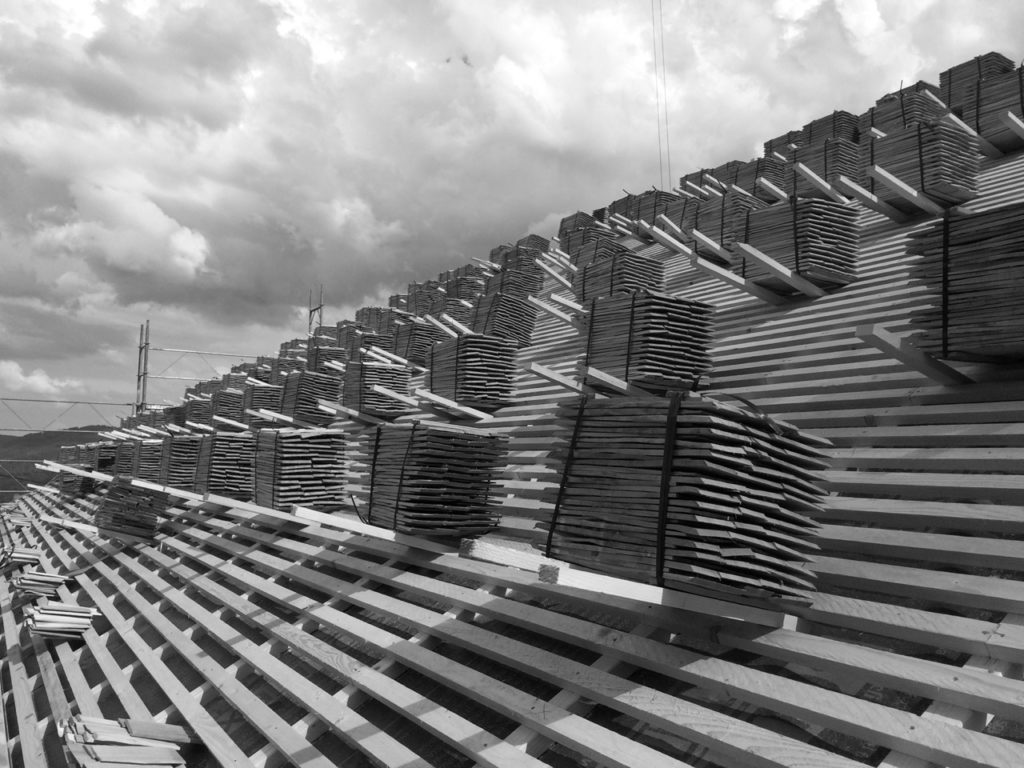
(38, 382)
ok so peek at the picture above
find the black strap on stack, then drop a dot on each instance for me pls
(945, 286)
(373, 470)
(667, 462)
(920, 158)
(570, 455)
(401, 474)
(629, 333)
(793, 209)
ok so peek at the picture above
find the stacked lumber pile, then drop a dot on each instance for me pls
(526, 280)
(723, 219)
(199, 411)
(650, 339)
(321, 355)
(73, 484)
(623, 271)
(838, 125)
(68, 454)
(628, 206)
(102, 456)
(360, 378)
(938, 160)
(175, 414)
(477, 371)
(179, 461)
(688, 493)
(204, 388)
(815, 238)
(466, 287)
(422, 296)
(783, 143)
(504, 315)
(229, 404)
(264, 369)
(130, 511)
(577, 241)
(124, 463)
(380, 320)
(466, 270)
(292, 348)
(652, 203)
(769, 168)
(354, 339)
(280, 367)
(414, 339)
(573, 223)
(829, 159)
(299, 466)
(303, 389)
(226, 465)
(988, 100)
(457, 309)
(38, 583)
(94, 742)
(957, 84)
(536, 242)
(975, 266)
(902, 109)
(599, 245)
(255, 397)
(326, 334)
(398, 301)
(58, 621)
(433, 479)
(146, 464)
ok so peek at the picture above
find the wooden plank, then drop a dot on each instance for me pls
(791, 278)
(819, 183)
(903, 350)
(771, 188)
(905, 191)
(29, 730)
(869, 200)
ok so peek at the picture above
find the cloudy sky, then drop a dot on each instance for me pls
(204, 164)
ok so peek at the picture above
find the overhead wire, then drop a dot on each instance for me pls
(657, 94)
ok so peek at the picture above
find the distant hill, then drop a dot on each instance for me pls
(36, 446)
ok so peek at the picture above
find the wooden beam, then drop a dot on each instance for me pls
(554, 312)
(986, 147)
(871, 201)
(712, 245)
(771, 189)
(594, 377)
(451, 405)
(554, 377)
(904, 190)
(819, 183)
(901, 349)
(380, 389)
(572, 306)
(793, 279)
(667, 240)
(232, 423)
(779, 156)
(558, 278)
(1013, 122)
(392, 357)
(734, 280)
(464, 330)
(195, 425)
(440, 326)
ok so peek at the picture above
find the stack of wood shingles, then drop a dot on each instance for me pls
(817, 239)
(179, 461)
(433, 480)
(296, 466)
(689, 493)
(958, 84)
(229, 404)
(649, 339)
(361, 376)
(94, 742)
(975, 266)
(226, 465)
(261, 396)
(303, 389)
(474, 370)
(127, 511)
(413, 340)
(935, 158)
(991, 98)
